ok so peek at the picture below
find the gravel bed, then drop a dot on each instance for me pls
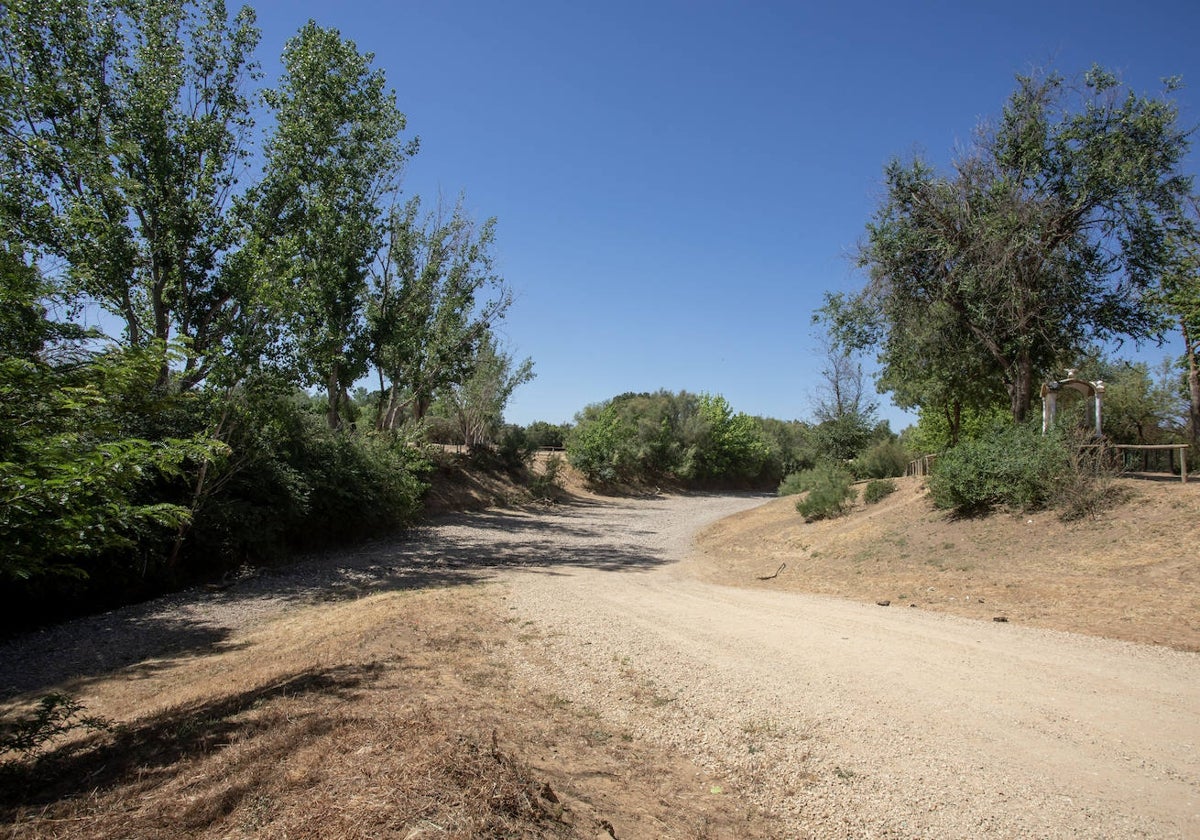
(838, 719)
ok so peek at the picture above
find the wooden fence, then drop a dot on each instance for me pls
(1147, 449)
(921, 466)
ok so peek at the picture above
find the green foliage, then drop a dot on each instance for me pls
(548, 482)
(73, 482)
(478, 401)
(599, 447)
(790, 447)
(937, 429)
(545, 435)
(793, 483)
(293, 483)
(1013, 466)
(830, 493)
(726, 446)
(1037, 243)
(1138, 408)
(124, 470)
(886, 459)
(515, 447)
(55, 714)
(334, 153)
(878, 489)
(123, 139)
(644, 438)
(429, 314)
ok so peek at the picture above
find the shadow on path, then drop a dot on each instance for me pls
(455, 549)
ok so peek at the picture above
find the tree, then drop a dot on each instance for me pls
(122, 130)
(426, 318)
(333, 156)
(479, 401)
(728, 445)
(1179, 295)
(844, 414)
(1043, 239)
(1135, 408)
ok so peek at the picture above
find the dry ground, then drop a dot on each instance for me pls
(393, 715)
(394, 711)
(1132, 574)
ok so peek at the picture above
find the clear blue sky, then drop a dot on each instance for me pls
(678, 183)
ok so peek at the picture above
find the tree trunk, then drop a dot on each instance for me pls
(1191, 346)
(421, 406)
(333, 387)
(1022, 389)
(954, 420)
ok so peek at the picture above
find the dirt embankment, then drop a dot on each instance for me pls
(1133, 573)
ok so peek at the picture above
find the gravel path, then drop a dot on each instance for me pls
(848, 720)
(842, 720)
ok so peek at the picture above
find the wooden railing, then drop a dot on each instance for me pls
(921, 466)
(1170, 448)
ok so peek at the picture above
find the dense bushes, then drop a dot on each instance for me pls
(1013, 466)
(886, 459)
(218, 481)
(663, 437)
(878, 489)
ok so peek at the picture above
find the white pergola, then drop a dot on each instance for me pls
(1050, 392)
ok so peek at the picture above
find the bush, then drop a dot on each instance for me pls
(878, 489)
(547, 483)
(516, 448)
(794, 483)
(886, 459)
(1089, 485)
(830, 493)
(1013, 466)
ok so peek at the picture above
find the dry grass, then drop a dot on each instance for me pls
(395, 715)
(1129, 574)
(390, 716)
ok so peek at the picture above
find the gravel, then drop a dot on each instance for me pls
(838, 719)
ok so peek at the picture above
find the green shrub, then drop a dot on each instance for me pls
(878, 489)
(830, 493)
(886, 459)
(55, 714)
(1013, 466)
(515, 448)
(793, 483)
(547, 483)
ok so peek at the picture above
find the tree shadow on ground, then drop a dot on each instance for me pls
(454, 549)
(146, 634)
(147, 748)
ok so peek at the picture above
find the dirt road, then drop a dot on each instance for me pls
(847, 720)
(826, 718)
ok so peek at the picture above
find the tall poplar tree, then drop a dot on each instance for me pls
(123, 126)
(334, 153)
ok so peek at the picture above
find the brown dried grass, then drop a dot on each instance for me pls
(1129, 574)
(390, 716)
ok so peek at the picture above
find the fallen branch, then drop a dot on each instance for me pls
(782, 566)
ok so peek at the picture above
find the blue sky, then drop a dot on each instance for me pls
(677, 184)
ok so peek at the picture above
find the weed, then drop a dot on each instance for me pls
(55, 714)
